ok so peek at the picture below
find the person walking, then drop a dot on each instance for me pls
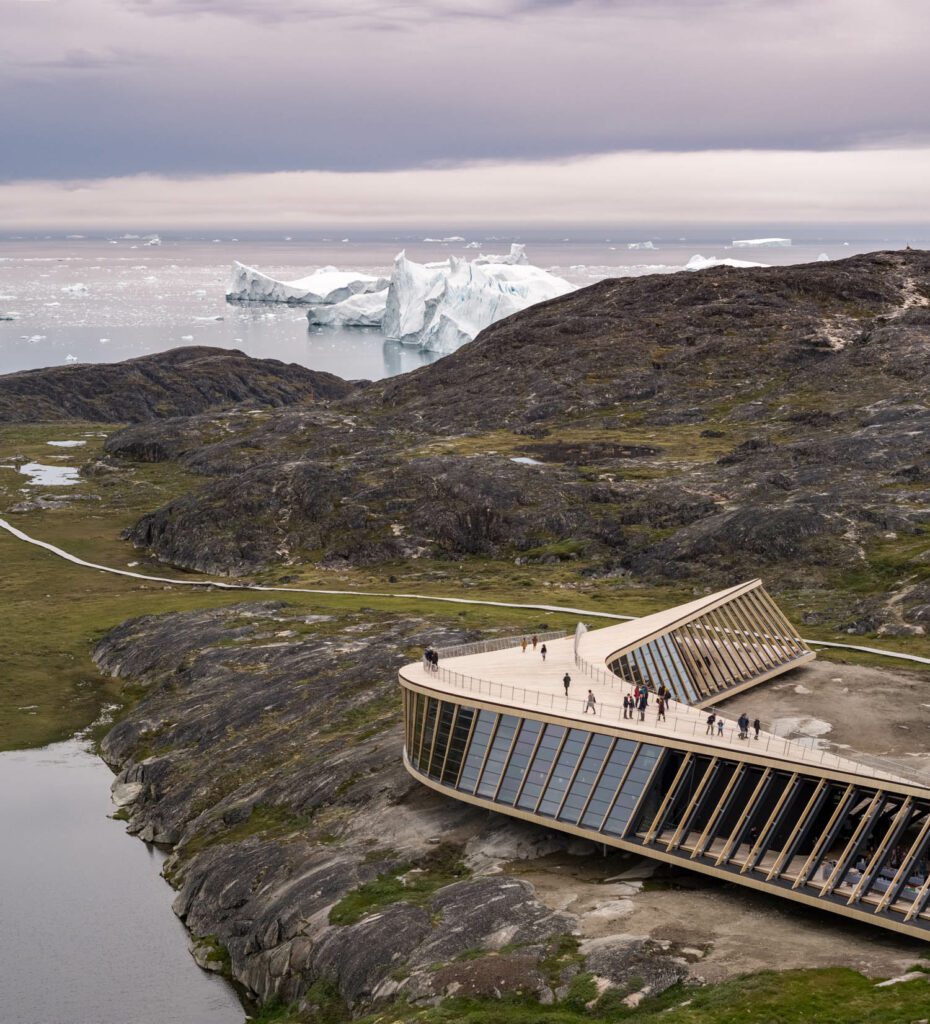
(720, 728)
(757, 725)
(711, 718)
(428, 658)
(534, 641)
(743, 723)
(643, 702)
(626, 705)
(566, 682)
(523, 645)
(660, 717)
(590, 703)
(542, 651)
(435, 661)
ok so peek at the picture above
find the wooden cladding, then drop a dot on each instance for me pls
(727, 647)
(847, 847)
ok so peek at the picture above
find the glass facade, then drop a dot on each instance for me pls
(739, 640)
(838, 841)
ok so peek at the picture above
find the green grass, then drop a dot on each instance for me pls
(405, 884)
(831, 996)
(265, 820)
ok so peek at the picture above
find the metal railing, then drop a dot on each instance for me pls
(692, 725)
(500, 644)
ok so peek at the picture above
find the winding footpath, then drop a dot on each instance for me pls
(219, 585)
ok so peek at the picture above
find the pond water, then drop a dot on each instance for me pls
(87, 935)
(50, 476)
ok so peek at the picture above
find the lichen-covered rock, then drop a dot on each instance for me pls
(268, 751)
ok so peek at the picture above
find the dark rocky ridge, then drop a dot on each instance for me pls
(772, 422)
(267, 749)
(181, 382)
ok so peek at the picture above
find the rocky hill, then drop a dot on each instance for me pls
(181, 382)
(696, 426)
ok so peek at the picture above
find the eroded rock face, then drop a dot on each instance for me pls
(267, 751)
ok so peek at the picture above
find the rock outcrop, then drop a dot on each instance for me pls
(770, 421)
(266, 750)
(180, 382)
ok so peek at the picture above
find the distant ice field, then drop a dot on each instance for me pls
(67, 300)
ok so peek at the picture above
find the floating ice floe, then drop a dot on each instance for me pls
(363, 310)
(760, 243)
(152, 240)
(640, 245)
(329, 285)
(68, 358)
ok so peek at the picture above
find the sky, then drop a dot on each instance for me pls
(342, 113)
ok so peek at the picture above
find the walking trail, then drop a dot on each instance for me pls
(220, 585)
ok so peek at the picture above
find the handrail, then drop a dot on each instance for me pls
(498, 644)
(792, 751)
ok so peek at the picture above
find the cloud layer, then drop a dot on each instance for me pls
(620, 189)
(92, 88)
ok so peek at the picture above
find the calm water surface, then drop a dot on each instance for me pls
(102, 300)
(87, 935)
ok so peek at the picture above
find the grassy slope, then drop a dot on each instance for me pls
(51, 612)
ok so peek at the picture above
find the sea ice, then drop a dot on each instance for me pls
(752, 243)
(329, 285)
(363, 310)
(517, 255)
(640, 245)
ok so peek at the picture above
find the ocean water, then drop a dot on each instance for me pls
(98, 299)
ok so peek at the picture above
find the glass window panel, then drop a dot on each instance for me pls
(607, 786)
(494, 765)
(585, 777)
(538, 771)
(441, 743)
(479, 744)
(632, 790)
(516, 770)
(457, 745)
(429, 726)
(414, 748)
(562, 772)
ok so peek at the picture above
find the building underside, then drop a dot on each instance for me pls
(494, 728)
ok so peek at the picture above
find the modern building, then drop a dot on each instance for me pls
(495, 725)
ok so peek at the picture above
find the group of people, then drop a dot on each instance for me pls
(431, 660)
(524, 643)
(715, 725)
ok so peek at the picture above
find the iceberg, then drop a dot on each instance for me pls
(363, 310)
(640, 245)
(441, 308)
(326, 286)
(699, 262)
(517, 255)
(753, 243)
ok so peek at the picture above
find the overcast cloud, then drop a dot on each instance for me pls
(111, 88)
